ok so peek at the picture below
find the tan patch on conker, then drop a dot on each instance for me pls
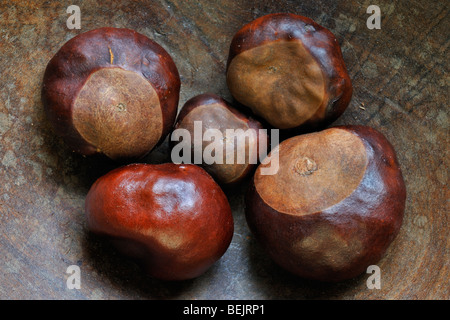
(316, 171)
(118, 111)
(328, 247)
(280, 81)
(216, 116)
(169, 239)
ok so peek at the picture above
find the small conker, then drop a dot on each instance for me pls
(174, 220)
(111, 91)
(213, 112)
(290, 71)
(334, 206)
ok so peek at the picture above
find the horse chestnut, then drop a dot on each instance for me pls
(172, 219)
(334, 206)
(240, 137)
(111, 91)
(290, 71)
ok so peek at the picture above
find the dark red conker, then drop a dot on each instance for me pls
(290, 71)
(334, 206)
(174, 220)
(111, 91)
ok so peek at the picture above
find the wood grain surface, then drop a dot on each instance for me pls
(401, 87)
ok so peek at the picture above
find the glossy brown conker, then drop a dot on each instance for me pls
(240, 142)
(111, 91)
(174, 220)
(333, 207)
(290, 71)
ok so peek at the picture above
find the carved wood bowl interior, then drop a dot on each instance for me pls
(400, 87)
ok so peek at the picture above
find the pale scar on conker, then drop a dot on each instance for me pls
(290, 71)
(112, 112)
(334, 206)
(111, 91)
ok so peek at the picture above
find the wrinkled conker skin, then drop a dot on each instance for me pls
(290, 71)
(339, 240)
(174, 220)
(111, 91)
(216, 113)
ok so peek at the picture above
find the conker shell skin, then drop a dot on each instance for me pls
(342, 240)
(310, 66)
(218, 114)
(174, 220)
(95, 70)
